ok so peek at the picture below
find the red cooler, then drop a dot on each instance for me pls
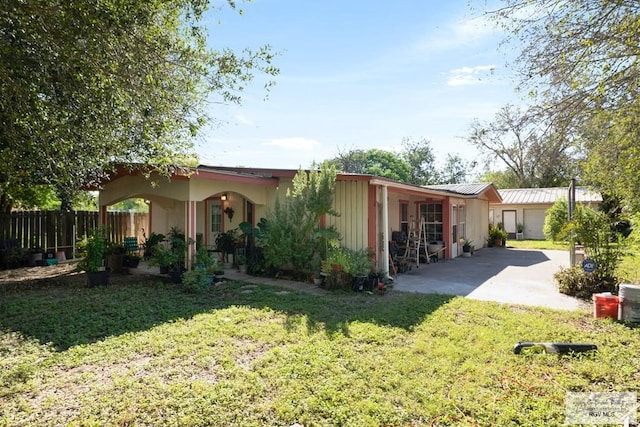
(605, 306)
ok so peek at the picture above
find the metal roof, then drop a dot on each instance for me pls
(465, 189)
(520, 196)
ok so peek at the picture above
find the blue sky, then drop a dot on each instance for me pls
(357, 74)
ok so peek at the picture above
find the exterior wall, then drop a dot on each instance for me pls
(477, 211)
(351, 201)
(521, 218)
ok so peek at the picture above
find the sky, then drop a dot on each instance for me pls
(357, 74)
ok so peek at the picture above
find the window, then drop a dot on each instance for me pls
(216, 217)
(432, 214)
(404, 218)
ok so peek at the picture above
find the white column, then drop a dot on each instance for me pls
(385, 229)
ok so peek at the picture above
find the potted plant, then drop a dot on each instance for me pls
(226, 243)
(131, 260)
(151, 242)
(241, 262)
(466, 247)
(93, 262)
(497, 236)
(115, 256)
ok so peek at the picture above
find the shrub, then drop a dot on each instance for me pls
(290, 238)
(555, 220)
(196, 280)
(575, 282)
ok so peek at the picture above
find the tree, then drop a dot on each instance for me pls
(535, 152)
(455, 170)
(374, 162)
(421, 160)
(88, 84)
(290, 238)
(501, 179)
(581, 60)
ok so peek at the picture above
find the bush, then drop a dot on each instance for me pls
(575, 282)
(196, 281)
(555, 220)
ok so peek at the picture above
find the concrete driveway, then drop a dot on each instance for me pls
(515, 276)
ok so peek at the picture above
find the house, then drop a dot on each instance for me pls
(209, 200)
(528, 206)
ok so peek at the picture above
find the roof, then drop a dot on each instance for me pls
(469, 190)
(520, 196)
(465, 189)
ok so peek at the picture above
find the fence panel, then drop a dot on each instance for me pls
(53, 231)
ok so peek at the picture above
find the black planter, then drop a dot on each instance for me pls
(176, 276)
(131, 262)
(98, 278)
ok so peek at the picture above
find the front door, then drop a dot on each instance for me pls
(215, 221)
(454, 231)
(509, 222)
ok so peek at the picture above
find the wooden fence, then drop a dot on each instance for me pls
(53, 231)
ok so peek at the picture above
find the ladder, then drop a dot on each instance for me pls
(415, 239)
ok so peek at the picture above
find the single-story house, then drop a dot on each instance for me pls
(528, 207)
(371, 208)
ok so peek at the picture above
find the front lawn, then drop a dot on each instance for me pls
(148, 354)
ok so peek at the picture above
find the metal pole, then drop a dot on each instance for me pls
(571, 208)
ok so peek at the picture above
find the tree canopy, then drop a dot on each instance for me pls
(533, 151)
(89, 84)
(415, 164)
(580, 59)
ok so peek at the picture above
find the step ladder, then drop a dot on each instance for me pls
(416, 239)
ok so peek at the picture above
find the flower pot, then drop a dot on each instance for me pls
(98, 278)
(176, 276)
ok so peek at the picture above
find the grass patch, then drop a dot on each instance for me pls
(149, 354)
(538, 244)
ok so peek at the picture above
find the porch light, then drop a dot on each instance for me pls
(229, 211)
(223, 197)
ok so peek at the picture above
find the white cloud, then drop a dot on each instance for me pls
(461, 33)
(241, 119)
(300, 144)
(468, 75)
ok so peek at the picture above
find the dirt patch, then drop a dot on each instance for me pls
(60, 275)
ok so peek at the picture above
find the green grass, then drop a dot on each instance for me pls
(148, 354)
(538, 244)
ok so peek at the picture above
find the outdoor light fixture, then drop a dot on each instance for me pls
(229, 211)
(223, 197)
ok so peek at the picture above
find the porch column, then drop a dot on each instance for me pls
(190, 231)
(385, 229)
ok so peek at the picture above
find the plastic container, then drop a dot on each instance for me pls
(605, 306)
(629, 308)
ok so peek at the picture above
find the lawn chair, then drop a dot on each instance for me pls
(132, 246)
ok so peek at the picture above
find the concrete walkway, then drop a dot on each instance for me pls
(515, 276)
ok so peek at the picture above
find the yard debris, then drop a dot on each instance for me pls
(554, 347)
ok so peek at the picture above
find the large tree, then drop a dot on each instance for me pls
(581, 59)
(375, 162)
(89, 84)
(420, 157)
(534, 152)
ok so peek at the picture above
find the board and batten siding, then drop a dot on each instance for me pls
(351, 201)
(477, 220)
